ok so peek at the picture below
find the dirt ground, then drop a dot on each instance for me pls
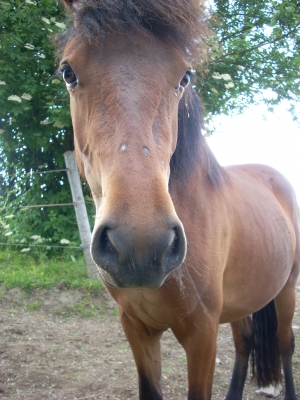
(49, 352)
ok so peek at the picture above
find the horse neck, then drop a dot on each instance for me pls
(192, 154)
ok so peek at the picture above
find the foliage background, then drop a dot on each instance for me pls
(254, 56)
(35, 125)
(257, 43)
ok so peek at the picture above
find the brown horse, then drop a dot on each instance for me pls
(180, 242)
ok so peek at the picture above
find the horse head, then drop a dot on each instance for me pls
(125, 85)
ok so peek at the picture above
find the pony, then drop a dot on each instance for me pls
(180, 242)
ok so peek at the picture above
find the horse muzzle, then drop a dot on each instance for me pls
(127, 258)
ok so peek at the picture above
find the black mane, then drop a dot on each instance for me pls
(192, 150)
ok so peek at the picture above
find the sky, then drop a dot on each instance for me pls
(259, 137)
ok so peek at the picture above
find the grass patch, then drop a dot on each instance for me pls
(34, 306)
(86, 308)
(27, 273)
(167, 369)
(115, 313)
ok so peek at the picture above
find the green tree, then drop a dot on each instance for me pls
(254, 56)
(35, 125)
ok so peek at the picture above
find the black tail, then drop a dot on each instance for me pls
(266, 364)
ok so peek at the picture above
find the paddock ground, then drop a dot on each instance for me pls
(67, 345)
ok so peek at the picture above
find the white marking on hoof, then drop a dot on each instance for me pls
(270, 391)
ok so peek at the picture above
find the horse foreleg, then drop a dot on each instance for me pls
(199, 340)
(145, 346)
(285, 307)
(243, 340)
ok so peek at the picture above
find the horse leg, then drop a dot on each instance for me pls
(242, 332)
(199, 340)
(285, 307)
(145, 345)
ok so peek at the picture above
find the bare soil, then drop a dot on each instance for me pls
(47, 351)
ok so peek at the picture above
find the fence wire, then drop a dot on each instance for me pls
(41, 245)
(27, 174)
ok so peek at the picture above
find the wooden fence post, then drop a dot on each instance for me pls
(81, 213)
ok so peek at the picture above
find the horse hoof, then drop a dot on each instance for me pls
(270, 391)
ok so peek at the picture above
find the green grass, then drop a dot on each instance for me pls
(34, 306)
(86, 308)
(167, 369)
(27, 272)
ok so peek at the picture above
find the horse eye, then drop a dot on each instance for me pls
(69, 77)
(186, 79)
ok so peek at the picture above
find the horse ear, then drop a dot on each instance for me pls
(69, 4)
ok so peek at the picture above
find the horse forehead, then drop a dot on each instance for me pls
(132, 51)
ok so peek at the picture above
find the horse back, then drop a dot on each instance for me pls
(273, 180)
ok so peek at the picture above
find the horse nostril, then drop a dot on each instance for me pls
(173, 249)
(102, 249)
(104, 242)
(176, 251)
